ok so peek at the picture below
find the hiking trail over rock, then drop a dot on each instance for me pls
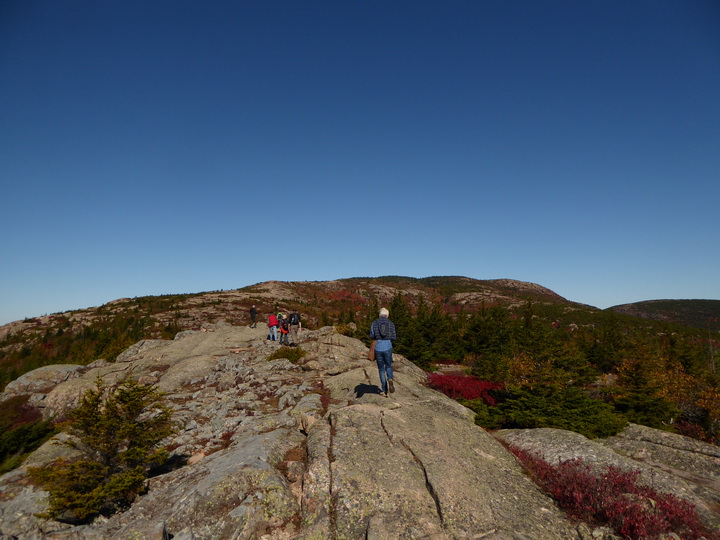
(304, 450)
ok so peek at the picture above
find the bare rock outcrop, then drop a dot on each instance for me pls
(39, 382)
(308, 449)
(692, 462)
(670, 463)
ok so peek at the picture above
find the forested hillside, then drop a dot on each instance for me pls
(544, 361)
(703, 314)
(544, 365)
(82, 336)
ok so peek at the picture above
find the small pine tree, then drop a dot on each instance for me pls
(370, 313)
(325, 319)
(117, 437)
(567, 408)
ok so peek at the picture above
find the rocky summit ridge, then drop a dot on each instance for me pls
(190, 311)
(310, 450)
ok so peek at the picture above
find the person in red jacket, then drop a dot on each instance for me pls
(272, 326)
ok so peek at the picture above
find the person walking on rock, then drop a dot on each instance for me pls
(253, 317)
(294, 327)
(383, 331)
(284, 328)
(272, 326)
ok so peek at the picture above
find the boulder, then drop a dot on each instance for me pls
(42, 380)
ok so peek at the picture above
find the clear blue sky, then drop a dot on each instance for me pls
(157, 147)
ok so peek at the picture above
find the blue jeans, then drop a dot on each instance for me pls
(384, 363)
(273, 333)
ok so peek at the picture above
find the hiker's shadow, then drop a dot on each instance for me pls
(362, 389)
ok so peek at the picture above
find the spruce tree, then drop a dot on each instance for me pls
(117, 435)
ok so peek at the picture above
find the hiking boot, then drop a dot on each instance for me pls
(391, 385)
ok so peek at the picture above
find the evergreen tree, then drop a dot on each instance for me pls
(563, 408)
(443, 336)
(488, 342)
(369, 315)
(606, 349)
(639, 394)
(118, 438)
(325, 319)
(401, 316)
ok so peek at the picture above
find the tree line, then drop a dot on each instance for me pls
(587, 370)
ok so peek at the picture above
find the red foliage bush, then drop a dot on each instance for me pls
(457, 386)
(16, 412)
(614, 499)
(694, 431)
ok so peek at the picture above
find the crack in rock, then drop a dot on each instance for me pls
(700, 452)
(332, 510)
(641, 437)
(428, 484)
(382, 425)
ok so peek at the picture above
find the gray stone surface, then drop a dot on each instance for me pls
(37, 383)
(278, 450)
(667, 462)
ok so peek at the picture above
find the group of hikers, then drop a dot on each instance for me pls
(382, 332)
(286, 326)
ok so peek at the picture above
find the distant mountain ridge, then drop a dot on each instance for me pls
(703, 314)
(312, 297)
(83, 336)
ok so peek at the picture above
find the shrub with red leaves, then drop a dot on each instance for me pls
(614, 498)
(457, 386)
(694, 431)
(16, 412)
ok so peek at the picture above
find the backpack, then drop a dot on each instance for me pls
(380, 329)
(294, 318)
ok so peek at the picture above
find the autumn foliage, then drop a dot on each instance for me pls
(614, 498)
(22, 430)
(458, 386)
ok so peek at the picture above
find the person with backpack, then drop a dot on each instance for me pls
(294, 327)
(284, 328)
(272, 327)
(382, 330)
